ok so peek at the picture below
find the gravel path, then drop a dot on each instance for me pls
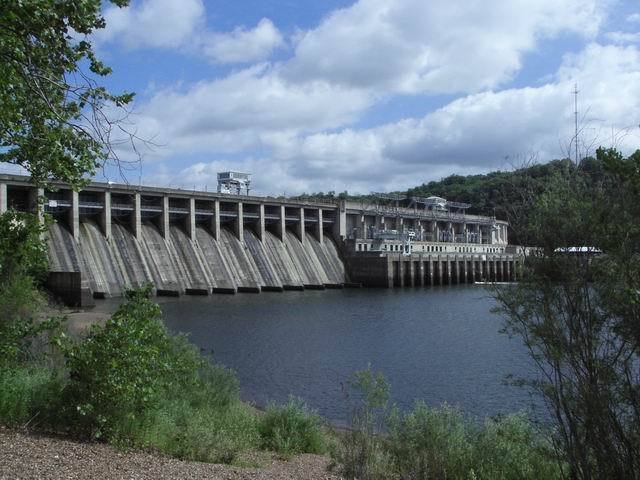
(31, 456)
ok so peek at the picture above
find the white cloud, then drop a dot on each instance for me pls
(485, 129)
(633, 18)
(608, 77)
(387, 47)
(473, 134)
(12, 169)
(180, 24)
(267, 178)
(242, 45)
(623, 37)
(153, 23)
(242, 110)
(341, 68)
(437, 46)
(292, 123)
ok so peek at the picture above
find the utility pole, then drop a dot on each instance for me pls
(575, 117)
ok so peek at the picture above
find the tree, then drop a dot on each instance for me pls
(578, 314)
(23, 261)
(54, 118)
(56, 121)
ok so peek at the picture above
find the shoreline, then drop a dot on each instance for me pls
(28, 455)
(80, 320)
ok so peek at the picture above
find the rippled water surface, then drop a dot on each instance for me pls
(438, 344)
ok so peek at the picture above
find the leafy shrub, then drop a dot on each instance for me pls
(361, 453)
(199, 417)
(193, 378)
(427, 443)
(20, 304)
(139, 386)
(436, 443)
(291, 429)
(22, 250)
(26, 388)
(127, 367)
(23, 263)
(121, 369)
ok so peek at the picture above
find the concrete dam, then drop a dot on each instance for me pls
(116, 237)
(110, 237)
(178, 264)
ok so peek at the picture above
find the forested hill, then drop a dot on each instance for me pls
(498, 192)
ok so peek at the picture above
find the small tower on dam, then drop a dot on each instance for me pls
(229, 182)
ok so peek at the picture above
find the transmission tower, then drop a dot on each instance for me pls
(575, 118)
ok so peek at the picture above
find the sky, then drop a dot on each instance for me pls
(367, 95)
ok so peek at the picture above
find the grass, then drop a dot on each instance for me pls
(215, 435)
(27, 394)
(427, 443)
(430, 443)
(291, 429)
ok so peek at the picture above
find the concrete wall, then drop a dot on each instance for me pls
(397, 270)
(68, 288)
(369, 270)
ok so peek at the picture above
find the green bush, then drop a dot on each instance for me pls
(120, 370)
(199, 417)
(360, 455)
(22, 250)
(23, 261)
(135, 384)
(20, 304)
(427, 443)
(291, 429)
(193, 378)
(510, 448)
(23, 329)
(436, 443)
(126, 368)
(430, 443)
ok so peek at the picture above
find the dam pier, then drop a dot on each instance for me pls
(109, 237)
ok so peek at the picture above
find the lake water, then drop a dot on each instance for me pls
(440, 345)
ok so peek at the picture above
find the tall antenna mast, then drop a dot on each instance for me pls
(575, 117)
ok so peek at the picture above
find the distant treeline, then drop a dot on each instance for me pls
(499, 192)
(507, 195)
(492, 193)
